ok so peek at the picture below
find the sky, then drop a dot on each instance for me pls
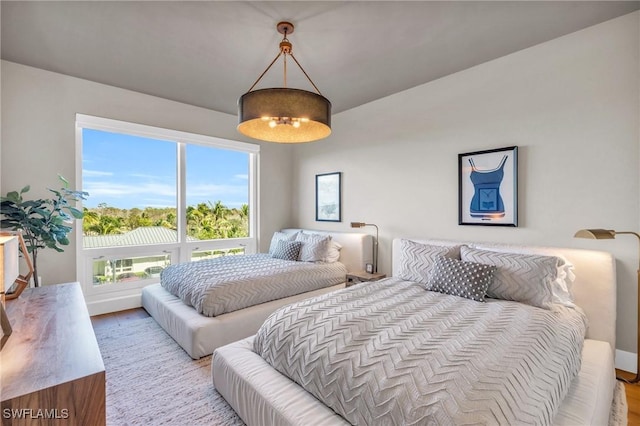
(127, 171)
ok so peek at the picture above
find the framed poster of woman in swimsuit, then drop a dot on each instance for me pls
(488, 187)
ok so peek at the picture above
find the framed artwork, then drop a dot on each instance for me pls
(328, 202)
(488, 187)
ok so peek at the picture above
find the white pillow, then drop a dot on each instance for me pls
(562, 285)
(524, 278)
(315, 247)
(417, 259)
(333, 254)
(280, 236)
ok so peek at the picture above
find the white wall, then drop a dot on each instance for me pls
(571, 105)
(38, 142)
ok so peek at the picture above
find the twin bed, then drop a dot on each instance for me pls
(206, 304)
(391, 352)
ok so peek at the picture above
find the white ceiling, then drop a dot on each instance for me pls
(207, 53)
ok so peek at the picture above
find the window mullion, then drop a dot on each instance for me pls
(182, 201)
(254, 168)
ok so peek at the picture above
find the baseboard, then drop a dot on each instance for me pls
(114, 305)
(626, 361)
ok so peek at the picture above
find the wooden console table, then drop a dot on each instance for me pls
(51, 370)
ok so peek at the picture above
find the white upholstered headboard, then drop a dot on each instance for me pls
(594, 288)
(357, 248)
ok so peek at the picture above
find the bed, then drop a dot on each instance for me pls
(262, 395)
(198, 333)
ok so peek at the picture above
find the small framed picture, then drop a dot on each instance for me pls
(369, 268)
(328, 198)
(488, 187)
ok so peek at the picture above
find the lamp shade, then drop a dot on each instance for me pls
(284, 115)
(8, 261)
(596, 234)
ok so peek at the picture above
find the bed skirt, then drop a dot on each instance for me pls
(199, 335)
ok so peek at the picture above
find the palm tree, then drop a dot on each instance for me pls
(219, 210)
(244, 210)
(90, 219)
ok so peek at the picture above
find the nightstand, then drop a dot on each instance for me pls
(358, 277)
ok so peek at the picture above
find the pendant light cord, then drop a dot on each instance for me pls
(264, 72)
(305, 74)
(286, 51)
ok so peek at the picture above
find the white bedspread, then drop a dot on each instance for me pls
(393, 353)
(226, 284)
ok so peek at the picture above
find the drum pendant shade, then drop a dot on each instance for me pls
(283, 114)
(258, 109)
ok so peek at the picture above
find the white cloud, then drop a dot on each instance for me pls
(243, 177)
(103, 189)
(95, 173)
(153, 177)
(213, 191)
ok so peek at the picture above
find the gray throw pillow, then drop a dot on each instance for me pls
(278, 236)
(417, 259)
(458, 278)
(315, 247)
(524, 278)
(287, 250)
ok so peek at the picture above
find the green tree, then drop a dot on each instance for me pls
(205, 221)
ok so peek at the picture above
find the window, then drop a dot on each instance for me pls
(158, 197)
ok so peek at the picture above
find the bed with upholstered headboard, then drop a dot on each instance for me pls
(261, 394)
(199, 333)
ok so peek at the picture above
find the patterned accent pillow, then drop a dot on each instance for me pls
(417, 259)
(287, 250)
(315, 247)
(524, 278)
(458, 278)
(280, 236)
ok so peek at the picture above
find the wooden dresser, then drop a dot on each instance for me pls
(51, 370)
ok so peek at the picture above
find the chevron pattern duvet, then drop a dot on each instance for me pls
(393, 353)
(225, 284)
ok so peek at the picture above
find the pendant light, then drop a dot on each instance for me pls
(283, 114)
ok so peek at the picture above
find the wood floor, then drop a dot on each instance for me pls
(118, 317)
(121, 318)
(633, 400)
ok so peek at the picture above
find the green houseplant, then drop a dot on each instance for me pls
(45, 222)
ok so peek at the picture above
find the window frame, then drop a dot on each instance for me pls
(181, 250)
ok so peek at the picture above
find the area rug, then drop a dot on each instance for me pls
(619, 409)
(152, 381)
